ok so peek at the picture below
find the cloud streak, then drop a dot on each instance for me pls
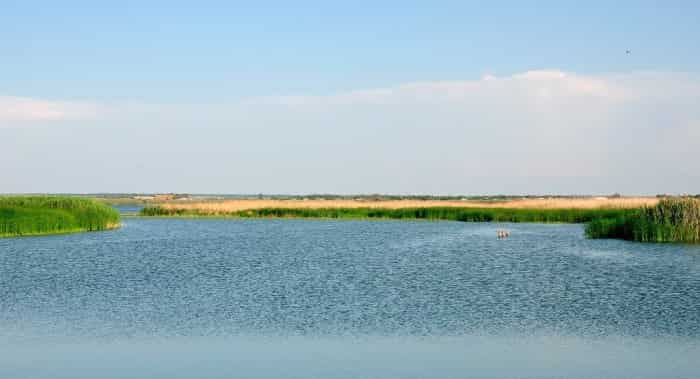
(24, 109)
(529, 86)
(518, 92)
(544, 131)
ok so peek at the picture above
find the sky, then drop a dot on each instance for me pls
(360, 97)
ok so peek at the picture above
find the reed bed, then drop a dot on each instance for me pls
(671, 220)
(232, 206)
(38, 215)
(422, 213)
(636, 219)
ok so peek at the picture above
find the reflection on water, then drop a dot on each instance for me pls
(358, 357)
(184, 298)
(128, 209)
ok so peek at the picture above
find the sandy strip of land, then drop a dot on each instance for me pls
(223, 206)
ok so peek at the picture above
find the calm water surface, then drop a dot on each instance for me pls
(181, 298)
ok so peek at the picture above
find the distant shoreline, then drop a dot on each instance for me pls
(573, 210)
(428, 213)
(637, 219)
(235, 205)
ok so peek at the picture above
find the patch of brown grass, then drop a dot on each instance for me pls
(225, 206)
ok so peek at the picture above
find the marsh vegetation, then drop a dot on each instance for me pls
(37, 215)
(234, 205)
(422, 213)
(635, 219)
(671, 220)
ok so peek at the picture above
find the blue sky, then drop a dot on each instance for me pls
(204, 51)
(193, 61)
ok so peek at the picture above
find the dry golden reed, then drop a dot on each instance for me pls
(229, 206)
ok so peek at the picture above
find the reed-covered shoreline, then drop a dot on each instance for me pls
(231, 205)
(667, 220)
(42, 215)
(671, 220)
(422, 213)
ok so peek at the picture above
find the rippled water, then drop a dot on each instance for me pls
(308, 298)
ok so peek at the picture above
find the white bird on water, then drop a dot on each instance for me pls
(501, 233)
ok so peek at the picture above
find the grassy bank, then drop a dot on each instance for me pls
(38, 215)
(672, 220)
(635, 219)
(423, 213)
(233, 205)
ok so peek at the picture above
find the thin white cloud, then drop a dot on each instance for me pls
(460, 136)
(547, 123)
(530, 91)
(528, 86)
(24, 109)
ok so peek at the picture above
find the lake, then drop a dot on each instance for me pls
(221, 298)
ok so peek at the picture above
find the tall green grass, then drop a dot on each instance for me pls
(36, 215)
(672, 220)
(428, 213)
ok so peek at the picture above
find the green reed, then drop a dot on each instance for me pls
(671, 220)
(427, 213)
(36, 215)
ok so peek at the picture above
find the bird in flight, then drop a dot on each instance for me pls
(628, 51)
